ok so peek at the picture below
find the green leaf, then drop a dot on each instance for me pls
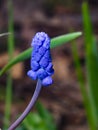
(46, 116)
(31, 121)
(78, 66)
(92, 67)
(82, 84)
(57, 41)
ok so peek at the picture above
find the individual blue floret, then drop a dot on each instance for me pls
(41, 73)
(47, 81)
(41, 62)
(42, 50)
(35, 65)
(44, 62)
(32, 74)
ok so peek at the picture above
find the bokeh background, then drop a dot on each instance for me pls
(56, 17)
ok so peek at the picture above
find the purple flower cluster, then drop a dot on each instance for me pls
(41, 62)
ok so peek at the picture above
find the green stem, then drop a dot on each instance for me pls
(86, 100)
(8, 99)
(91, 67)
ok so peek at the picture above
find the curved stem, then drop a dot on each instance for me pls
(29, 107)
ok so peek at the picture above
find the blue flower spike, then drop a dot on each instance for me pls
(41, 69)
(41, 62)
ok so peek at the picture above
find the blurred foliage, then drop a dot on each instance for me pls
(39, 120)
(89, 88)
(8, 96)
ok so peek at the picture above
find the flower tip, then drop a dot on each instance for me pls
(41, 38)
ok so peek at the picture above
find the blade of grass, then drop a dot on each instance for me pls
(82, 84)
(8, 102)
(57, 41)
(8, 99)
(78, 66)
(91, 65)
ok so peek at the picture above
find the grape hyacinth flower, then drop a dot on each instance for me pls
(41, 70)
(41, 63)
